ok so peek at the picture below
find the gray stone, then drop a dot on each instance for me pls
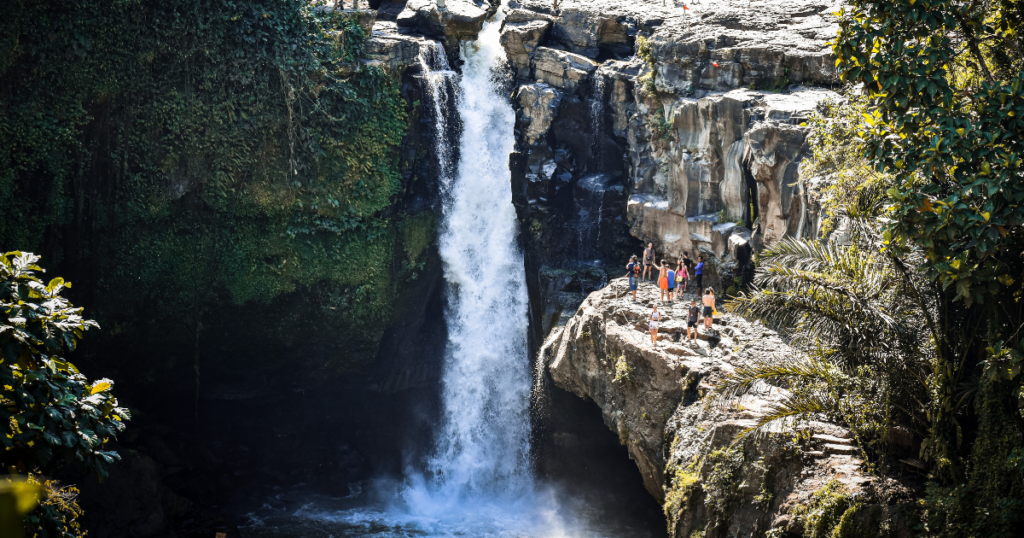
(390, 49)
(538, 103)
(520, 37)
(561, 69)
(655, 412)
(458, 19)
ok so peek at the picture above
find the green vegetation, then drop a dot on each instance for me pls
(623, 371)
(910, 318)
(190, 154)
(829, 514)
(52, 414)
(946, 99)
(681, 482)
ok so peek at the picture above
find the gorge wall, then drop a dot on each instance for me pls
(682, 124)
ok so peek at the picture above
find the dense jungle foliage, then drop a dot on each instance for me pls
(912, 316)
(52, 415)
(182, 155)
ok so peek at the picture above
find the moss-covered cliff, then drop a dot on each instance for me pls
(205, 167)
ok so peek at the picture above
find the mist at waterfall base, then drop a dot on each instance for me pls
(478, 480)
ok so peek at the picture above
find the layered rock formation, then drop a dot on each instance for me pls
(657, 398)
(695, 115)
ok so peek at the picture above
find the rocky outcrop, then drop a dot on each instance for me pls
(455, 19)
(657, 398)
(696, 115)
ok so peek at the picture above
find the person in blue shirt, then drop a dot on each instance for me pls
(671, 282)
(698, 273)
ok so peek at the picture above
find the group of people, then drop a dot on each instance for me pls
(669, 281)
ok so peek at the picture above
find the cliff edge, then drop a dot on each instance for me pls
(659, 400)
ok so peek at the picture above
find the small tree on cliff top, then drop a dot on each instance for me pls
(51, 414)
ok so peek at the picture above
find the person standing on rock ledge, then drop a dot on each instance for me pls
(691, 321)
(655, 317)
(698, 273)
(662, 279)
(709, 307)
(671, 281)
(682, 275)
(633, 271)
(648, 260)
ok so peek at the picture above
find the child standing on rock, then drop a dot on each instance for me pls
(655, 317)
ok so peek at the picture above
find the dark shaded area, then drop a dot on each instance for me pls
(577, 453)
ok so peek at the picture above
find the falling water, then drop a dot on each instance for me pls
(483, 444)
(478, 481)
(440, 85)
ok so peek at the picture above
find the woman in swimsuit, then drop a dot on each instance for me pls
(655, 317)
(709, 306)
(682, 275)
(662, 278)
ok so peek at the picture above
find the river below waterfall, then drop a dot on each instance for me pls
(478, 479)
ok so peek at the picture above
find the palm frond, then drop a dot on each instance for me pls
(758, 370)
(795, 406)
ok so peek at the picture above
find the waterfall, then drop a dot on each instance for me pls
(439, 85)
(482, 446)
(588, 197)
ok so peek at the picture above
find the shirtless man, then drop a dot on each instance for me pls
(709, 306)
(648, 260)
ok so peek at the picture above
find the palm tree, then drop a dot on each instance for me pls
(857, 314)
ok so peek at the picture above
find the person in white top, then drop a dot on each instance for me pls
(655, 317)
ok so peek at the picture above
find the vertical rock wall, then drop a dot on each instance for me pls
(692, 114)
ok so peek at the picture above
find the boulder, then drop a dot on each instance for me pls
(538, 104)
(655, 398)
(457, 19)
(738, 245)
(520, 38)
(390, 49)
(561, 69)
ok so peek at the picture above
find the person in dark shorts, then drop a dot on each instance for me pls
(671, 283)
(633, 271)
(698, 273)
(691, 321)
(709, 306)
(648, 260)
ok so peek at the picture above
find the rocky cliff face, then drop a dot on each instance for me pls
(688, 119)
(657, 398)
